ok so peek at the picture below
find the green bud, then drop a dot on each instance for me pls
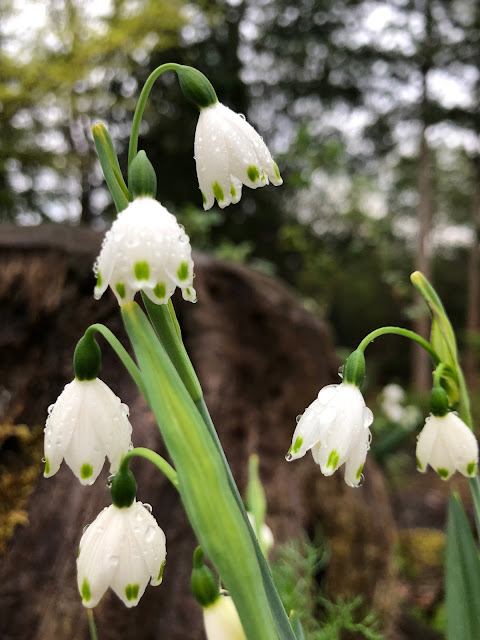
(87, 358)
(203, 582)
(196, 87)
(142, 180)
(124, 488)
(439, 401)
(354, 370)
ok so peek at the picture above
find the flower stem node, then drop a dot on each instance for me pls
(87, 358)
(203, 583)
(142, 180)
(86, 423)
(229, 153)
(123, 548)
(145, 250)
(196, 87)
(124, 488)
(336, 429)
(354, 369)
(447, 445)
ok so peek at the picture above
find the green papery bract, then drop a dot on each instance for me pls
(203, 482)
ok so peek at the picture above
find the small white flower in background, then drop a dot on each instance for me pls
(221, 620)
(229, 153)
(145, 250)
(123, 549)
(86, 423)
(447, 445)
(335, 428)
(266, 536)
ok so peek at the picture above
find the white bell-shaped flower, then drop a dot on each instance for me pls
(221, 620)
(447, 445)
(335, 428)
(229, 153)
(86, 423)
(123, 549)
(145, 250)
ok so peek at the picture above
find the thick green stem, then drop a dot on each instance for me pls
(142, 101)
(153, 457)
(398, 331)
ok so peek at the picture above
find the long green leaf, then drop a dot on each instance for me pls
(462, 566)
(203, 483)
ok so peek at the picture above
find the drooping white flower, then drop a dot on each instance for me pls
(123, 549)
(229, 153)
(266, 539)
(86, 423)
(447, 445)
(221, 620)
(335, 428)
(145, 250)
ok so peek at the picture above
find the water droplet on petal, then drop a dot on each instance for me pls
(110, 481)
(298, 418)
(360, 481)
(43, 460)
(367, 417)
(85, 528)
(288, 457)
(369, 440)
(340, 370)
(50, 409)
(113, 561)
(149, 535)
(148, 507)
(242, 116)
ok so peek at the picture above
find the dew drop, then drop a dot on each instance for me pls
(288, 457)
(110, 481)
(50, 409)
(43, 460)
(242, 116)
(298, 418)
(148, 507)
(341, 370)
(367, 417)
(85, 528)
(149, 535)
(360, 481)
(113, 561)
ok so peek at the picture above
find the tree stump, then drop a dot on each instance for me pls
(261, 359)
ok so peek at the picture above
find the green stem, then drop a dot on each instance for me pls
(400, 332)
(91, 625)
(153, 457)
(142, 101)
(113, 176)
(438, 373)
(121, 352)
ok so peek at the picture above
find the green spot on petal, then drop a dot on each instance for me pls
(182, 272)
(277, 172)
(160, 290)
(47, 465)
(253, 173)
(86, 593)
(419, 464)
(120, 289)
(99, 279)
(443, 473)
(217, 191)
(160, 573)
(232, 191)
(142, 270)
(333, 459)
(359, 472)
(131, 591)
(471, 468)
(86, 471)
(297, 444)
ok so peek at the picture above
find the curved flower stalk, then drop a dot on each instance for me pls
(221, 620)
(229, 153)
(86, 423)
(124, 548)
(335, 428)
(447, 445)
(145, 250)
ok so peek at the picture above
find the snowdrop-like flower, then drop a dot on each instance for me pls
(146, 249)
(447, 445)
(229, 153)
(123, 548)
(221, 620)
(86, 423)
(335, 428)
